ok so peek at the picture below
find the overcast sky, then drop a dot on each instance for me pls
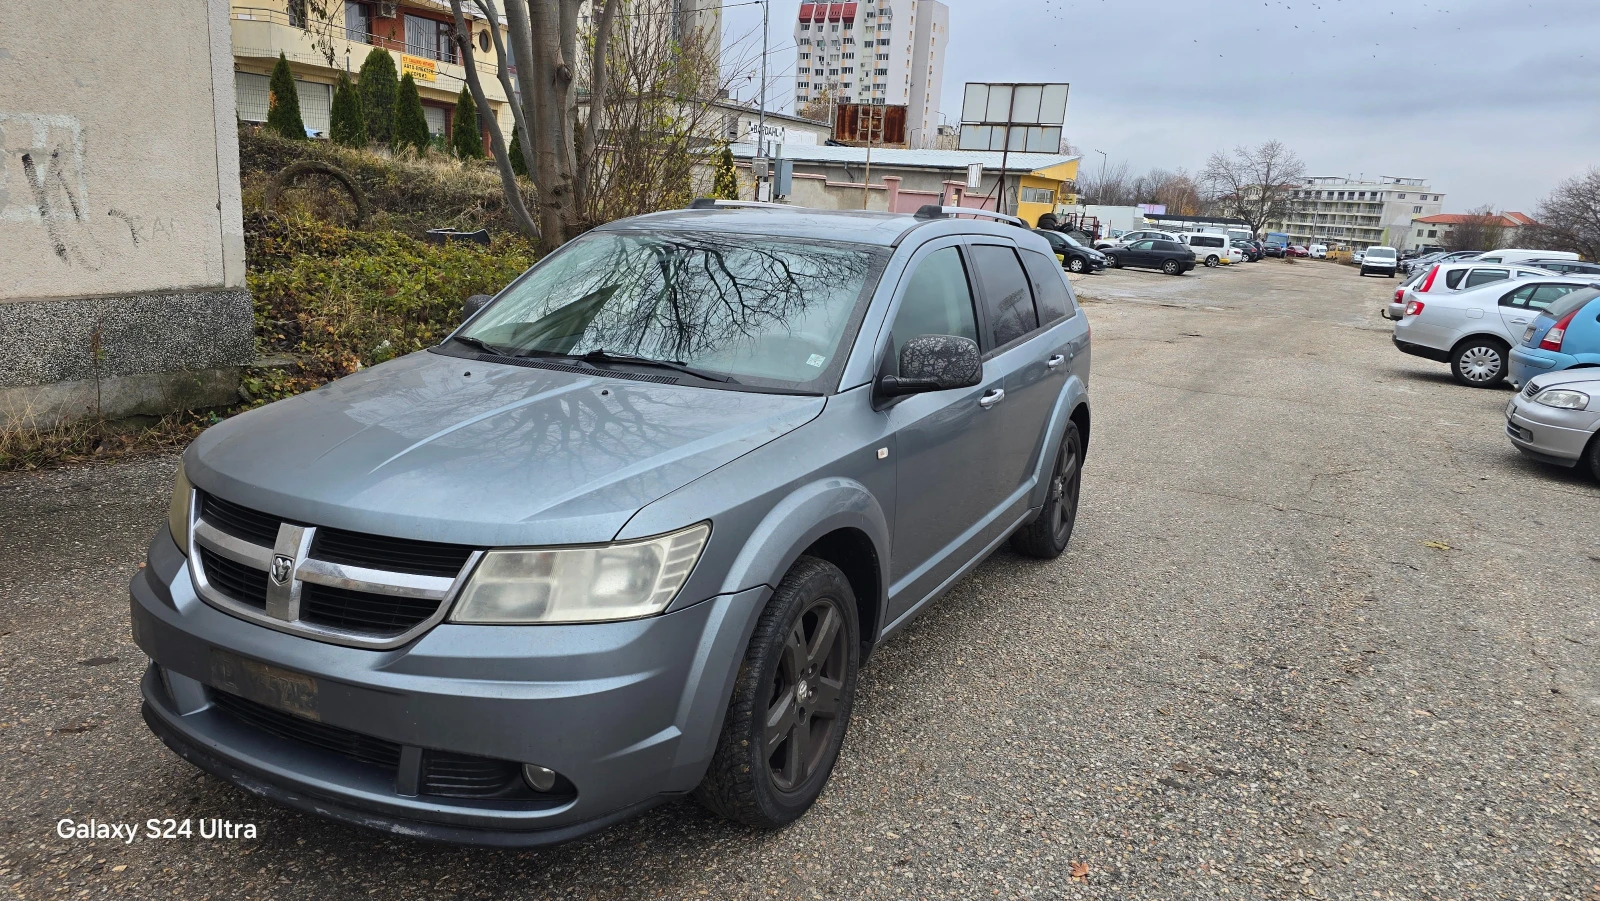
(1492, 101)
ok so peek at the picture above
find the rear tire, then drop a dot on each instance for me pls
(791, 701)
(1047, 536)
(1116, 261)
(1170, 267)
(1212, 261)
(1479, 362)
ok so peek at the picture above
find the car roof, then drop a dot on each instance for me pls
(854, 226)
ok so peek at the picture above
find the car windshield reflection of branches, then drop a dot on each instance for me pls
(755, 307)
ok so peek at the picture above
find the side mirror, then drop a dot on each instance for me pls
(473, 304)
(934, 363)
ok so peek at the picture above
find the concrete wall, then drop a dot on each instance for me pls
(121, 240)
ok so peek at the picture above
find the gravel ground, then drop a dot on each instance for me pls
(1321, 633)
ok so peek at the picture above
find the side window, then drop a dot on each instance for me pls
(1545, 295)
(1143, 245)
(1519, 297)
(938, 301)
(1485, 276)
(1050, 296)
(1006, 298)
(1452, 280)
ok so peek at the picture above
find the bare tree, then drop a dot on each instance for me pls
(1569, 218)
(818, 108)
(1480, 229)
(1255, 184)
(1112, 186)
(1174, 190)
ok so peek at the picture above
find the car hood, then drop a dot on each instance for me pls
(1587, 380)
(440, 448)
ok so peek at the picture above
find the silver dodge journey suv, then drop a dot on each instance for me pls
(627, 534)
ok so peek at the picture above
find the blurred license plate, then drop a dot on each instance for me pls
(282, 689)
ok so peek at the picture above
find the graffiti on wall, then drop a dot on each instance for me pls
(43, 184)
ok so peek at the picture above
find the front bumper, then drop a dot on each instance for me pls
(629, 712)
(1548, 433)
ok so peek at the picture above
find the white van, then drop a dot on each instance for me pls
(1517, 256)
(1212, 249)
(1318, 251)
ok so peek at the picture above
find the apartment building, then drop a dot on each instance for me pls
(416, 32)
(692, 20)
(881, 52)
(1360, 213)
(1437, 231)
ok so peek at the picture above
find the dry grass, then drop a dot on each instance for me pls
(28, 441)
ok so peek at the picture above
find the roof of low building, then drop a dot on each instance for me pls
(892, 157)
(1506, 220)
(1175, 217)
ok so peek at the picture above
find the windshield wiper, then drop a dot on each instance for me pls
(600, 355)
(480, 344)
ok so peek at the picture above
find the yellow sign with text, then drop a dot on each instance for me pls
(418, 68)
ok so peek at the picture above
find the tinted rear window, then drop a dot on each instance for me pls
(1205, 241)
(1169, 245)
(1571, 302)
(1049, 288)
(1006, 296)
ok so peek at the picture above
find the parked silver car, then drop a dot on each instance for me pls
(627, 534)
(1556, 419)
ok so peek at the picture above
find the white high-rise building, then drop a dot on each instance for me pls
(882, 52)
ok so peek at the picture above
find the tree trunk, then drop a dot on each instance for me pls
(528, 81)
(519, 115)
(599, 74)
(497, 142)
(551, 78)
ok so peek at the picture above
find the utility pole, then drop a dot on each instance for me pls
(1101, 189)
(866, 177)
(761, 126)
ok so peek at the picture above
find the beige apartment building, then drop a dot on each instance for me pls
(1360, 213)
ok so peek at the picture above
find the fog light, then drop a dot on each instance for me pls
(539, 778)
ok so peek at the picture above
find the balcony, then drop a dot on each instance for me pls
(264, 33)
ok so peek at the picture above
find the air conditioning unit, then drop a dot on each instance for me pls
(388, 9)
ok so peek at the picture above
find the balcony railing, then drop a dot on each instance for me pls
(338, 31)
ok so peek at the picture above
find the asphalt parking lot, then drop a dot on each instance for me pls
(1321, 632)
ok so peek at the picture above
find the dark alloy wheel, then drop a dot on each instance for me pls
(1047, 536)
(791, 702)
(1170, 267)
(1075, 264)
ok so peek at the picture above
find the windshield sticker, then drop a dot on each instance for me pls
(816, 360)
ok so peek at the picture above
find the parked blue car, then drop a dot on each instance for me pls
(1566, 334)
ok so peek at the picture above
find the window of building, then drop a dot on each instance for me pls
(1416, 209)
(357, 22)
(1402, 197)
(1038, 195)
(436, 119)
(429, 38)
(297, 13)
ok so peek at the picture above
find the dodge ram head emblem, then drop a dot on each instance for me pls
(282, 566)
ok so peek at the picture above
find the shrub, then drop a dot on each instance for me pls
(726, 184)
(349, 125)
(518, 164)
(283, 102)
(410, 124)
(345, 299)
(380, 88)
(466, 137)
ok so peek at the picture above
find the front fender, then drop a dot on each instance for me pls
(794, 523)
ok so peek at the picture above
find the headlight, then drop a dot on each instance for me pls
(627, 580)
(1562, 398)
(178, 510)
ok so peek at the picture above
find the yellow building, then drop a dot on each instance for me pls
(1046, 190)
(415, 32)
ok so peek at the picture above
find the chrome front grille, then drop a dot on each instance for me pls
(347, 588)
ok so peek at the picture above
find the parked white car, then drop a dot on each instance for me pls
(1474, 330)
(1513, 255)
(1212, 249)
(1379, 260)
(1136, 235)
(1449, 278)
(1318, 251)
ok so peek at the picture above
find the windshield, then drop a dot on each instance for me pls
(1571, 302)
(1380, 252)
(770, 312)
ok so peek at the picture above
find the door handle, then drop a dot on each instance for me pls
(1055, 361)
(992, 397)
(1519, 322)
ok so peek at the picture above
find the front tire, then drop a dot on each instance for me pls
(1075, 265)
(1479, 362)
(791, 701)
(1592, 458)
(1047, 536)
(1212, 261)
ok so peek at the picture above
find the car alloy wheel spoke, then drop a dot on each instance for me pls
(822, 642)
(782, 717)
(824, 700)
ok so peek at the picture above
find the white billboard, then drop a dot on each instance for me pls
(988, 103)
